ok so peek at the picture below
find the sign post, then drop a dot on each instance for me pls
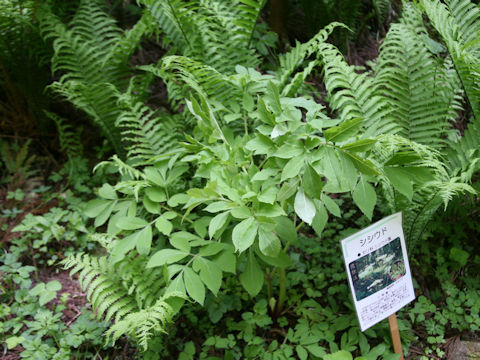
(379, 274)
(397, 343)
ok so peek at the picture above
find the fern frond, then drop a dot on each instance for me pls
(143, 324)
(463, 155)
(123, 168)
(123, 292)
(216, 33)
(197, 76)
(176, 18)
(459, 25)
(422, 92)
(292, 60)
(351, 94)
(91, 53)
(69, 138)
(147, 134)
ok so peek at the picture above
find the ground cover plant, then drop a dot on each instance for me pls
(229, 173)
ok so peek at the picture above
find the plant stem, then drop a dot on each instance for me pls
(282, 292)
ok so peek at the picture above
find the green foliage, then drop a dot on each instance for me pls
(220, 194)
(92, 54)
(217, 33)
(23, 69)
(31, 322)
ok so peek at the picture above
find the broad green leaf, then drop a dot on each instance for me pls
(282, 260)
(268, 242)
(178, 199)
(252, 277)
(210, 274)
(400, 180)
(268, 196)
(53, 285)
(270, 211)
(301, 352)
(151, 206)
(260, 145)
(420, 175)
(241, 212)
(244, 234)
(264, 174)
(360, 145)
(316, 350)
(344, 131)
(156, 194)
(329, 165)
(320, 219)
(194, 285)
(165, 256)
(403, 157)
(37, 289)
(163, 225)
(263, 113)
(154, 176)
(46, 297)
(227, 261)
(287, 190)
(200, 226)
(182, 240)
(365, 197)
(364, 166)
(285, 229)
(273, 97)
(331, 205)
(292, 168)
(104, 215)
(14, 341)
(123, 246)
(131, 223)
(107, 192)
(177, 285)
(95, 207)
(216, 224)
(212, 248)
(312, 182)
(459, 255)
(169, 215)
(144, 240)
(304, 207)
(218, 206)
(248, 102)
(339, 355)
(288, 150)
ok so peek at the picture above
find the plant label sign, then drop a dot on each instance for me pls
(378, 270)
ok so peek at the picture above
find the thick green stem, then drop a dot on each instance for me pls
(283, 291)
(268, 278)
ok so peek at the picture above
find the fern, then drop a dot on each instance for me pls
(143, 324)
(459, 26)
(292, 60)
(69, 138)
(422, 91)
(147, 134)
(217, 33)
(92, 56)
(352, 95)
(126, 294)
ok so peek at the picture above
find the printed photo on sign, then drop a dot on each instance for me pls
(377, 270)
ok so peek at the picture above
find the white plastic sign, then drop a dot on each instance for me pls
(378, 270)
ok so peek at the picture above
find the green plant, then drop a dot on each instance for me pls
(42, 235)
(92, 56)
(31, 318)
